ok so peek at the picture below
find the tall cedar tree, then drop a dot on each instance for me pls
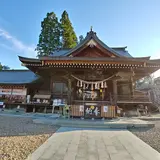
(81, 38)
(49, 38)
(69, 38)
(1, 67)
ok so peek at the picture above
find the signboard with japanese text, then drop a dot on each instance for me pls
(4, 91)
(92, 111)
(21, 92)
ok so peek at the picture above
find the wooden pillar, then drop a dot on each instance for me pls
(69, 91)
(114, 87)
(45, 109)
(53, 109)
(131, 86)
(51, 84)
(115, 91)
(34, 109)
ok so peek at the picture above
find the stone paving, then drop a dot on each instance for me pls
(86, 144)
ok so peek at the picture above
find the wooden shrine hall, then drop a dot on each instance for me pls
(92, 78)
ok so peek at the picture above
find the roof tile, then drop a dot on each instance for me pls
(17, 77)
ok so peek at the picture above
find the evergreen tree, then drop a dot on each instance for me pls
(69, 38)
(1, 67)
(49, 38)
(81, 38)
(4, 67)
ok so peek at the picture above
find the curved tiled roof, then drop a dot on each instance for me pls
(118, 51)
(92, 35)
(17, 77)
(64, 52)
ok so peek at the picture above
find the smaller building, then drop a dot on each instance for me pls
(15, 85)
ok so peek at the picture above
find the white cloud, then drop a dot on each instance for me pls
(17, 45)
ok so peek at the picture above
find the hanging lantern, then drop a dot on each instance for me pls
(105, 84)
(102, 85)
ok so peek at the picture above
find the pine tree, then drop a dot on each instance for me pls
(49, 38)
(69, 38)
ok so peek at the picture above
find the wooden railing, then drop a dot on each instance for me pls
(130, 98)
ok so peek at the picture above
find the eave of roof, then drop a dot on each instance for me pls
(143, 59)
(25, 59)
(61, 58)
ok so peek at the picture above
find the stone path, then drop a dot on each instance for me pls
(86, 144)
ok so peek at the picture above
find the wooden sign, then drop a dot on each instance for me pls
(92, 111)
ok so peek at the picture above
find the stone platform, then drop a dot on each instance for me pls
(89, 144)
(123, 123)
(54, 119)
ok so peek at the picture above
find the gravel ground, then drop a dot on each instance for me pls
(151, 136)
(20, 136)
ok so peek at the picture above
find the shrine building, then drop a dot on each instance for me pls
(92, 79)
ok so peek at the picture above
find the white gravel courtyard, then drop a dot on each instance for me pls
(20, 136)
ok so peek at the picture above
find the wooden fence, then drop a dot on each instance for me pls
(111, 112)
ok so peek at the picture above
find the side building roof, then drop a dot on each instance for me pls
(17, 77)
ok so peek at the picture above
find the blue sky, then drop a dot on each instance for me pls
(132, 23)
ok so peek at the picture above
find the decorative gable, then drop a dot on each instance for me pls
(93, 42)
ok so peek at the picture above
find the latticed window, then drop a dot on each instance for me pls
(60, 88)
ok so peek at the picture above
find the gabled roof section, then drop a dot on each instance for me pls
(17, 77)
(91, 40)
(120, 50)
